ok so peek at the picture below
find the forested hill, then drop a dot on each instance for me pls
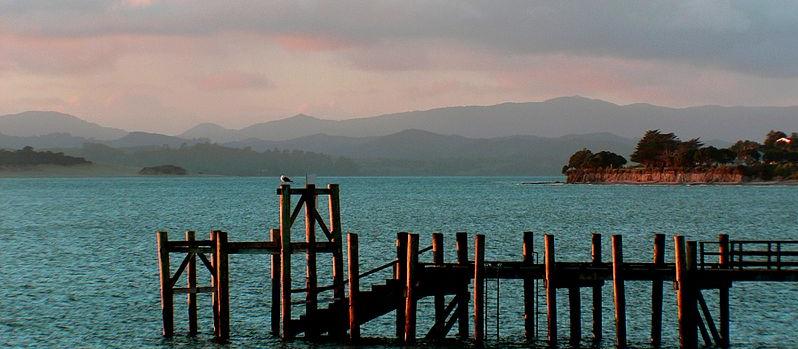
(205, 158)
(29, 157)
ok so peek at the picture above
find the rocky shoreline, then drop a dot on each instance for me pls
(718, 175)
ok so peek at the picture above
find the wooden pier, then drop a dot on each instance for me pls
(699, 267)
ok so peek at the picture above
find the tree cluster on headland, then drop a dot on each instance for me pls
(775, 158)
(27, 156)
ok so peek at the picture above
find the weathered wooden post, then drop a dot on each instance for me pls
(275, 281)
(222, 287)
(410, 286)
(692, 303)
(437, 258)
(339, 292)
(687, 335)
(354, 287)
(619, 291)
(529, 287)
(311, 280)
(595, 253)
(400, 274)
(462, 306)
(167, 299)
(656, 292)
(479, 287)
(214, 278)
(285, 261)
(551, 289)
(191, 284)
(723, 297)
(575, 315)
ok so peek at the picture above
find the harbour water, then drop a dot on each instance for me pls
(78, 266)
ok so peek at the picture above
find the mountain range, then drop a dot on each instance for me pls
(508, 138)
(553, 118)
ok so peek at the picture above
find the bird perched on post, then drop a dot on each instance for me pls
(285, 179)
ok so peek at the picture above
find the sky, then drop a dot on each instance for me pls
(160, 65)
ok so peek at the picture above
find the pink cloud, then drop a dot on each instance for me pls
(232, 80)
(56, 55)
(309, 43)
(139, 3)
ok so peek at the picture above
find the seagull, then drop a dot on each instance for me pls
(285, 179)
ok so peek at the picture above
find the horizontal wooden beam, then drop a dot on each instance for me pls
(193, 243)
(302, 191)
(184, 249)
(207, 289)
(272, 247)
(253, 247)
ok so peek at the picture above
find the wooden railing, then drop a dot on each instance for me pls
(750, 254)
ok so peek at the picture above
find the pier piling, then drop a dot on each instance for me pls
(619, 291)
(462, 295)
(437, 259)
(311, 280)
(723, 296)
(410, 289)
(686, 317)
(285, 261)
(479, 287)
(529, 287)
(595, 251)
(191, 285)
(656, 292)
(167, 298)
(551, 290)
(222, 287)
(275, 281)
(401, 276)
(354, 286)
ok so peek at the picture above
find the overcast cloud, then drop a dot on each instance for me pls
(261, 60)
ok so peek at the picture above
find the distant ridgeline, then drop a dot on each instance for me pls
(27, 157)
(663, 158)
(206, 158)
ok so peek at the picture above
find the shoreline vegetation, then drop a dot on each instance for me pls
(662, 158)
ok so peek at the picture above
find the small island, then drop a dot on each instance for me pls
(163, 170)
(662, 158)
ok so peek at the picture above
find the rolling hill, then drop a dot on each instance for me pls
(553, 118)
(40, 123)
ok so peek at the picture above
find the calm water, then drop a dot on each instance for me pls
(78, 266)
